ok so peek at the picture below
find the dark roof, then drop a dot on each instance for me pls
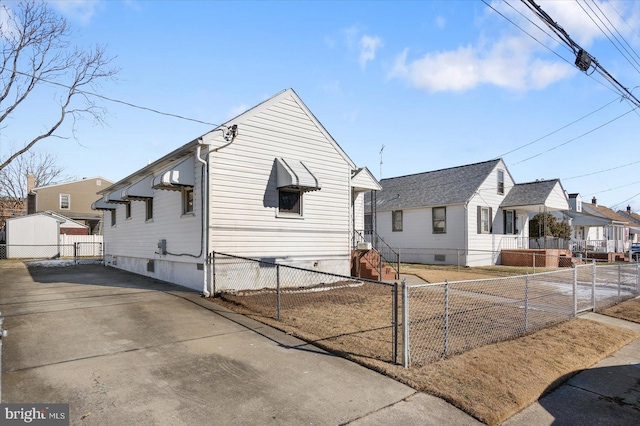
(455, 185)
(529, 193)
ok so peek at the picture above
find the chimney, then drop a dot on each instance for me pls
(629, 209)
(594, 201)
(31, 182)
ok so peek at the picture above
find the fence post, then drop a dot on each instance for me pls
(593, 285)
(398, 265)
(575, 291)
(446, 317)
(458, 259)
(638, 277)
(406, 360)
(278, 291)
(394, 316)
(526, 303)
(75, 253)
(212, 256)
(533, 255)
(619, 280)
(3, 333)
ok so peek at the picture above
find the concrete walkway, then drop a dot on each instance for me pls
(124, 349)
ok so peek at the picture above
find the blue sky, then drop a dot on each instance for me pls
(438, 83)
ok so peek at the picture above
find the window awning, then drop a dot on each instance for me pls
(177, 176)
(114, 197)
(140, 190)
(296, 175)
(101, 204)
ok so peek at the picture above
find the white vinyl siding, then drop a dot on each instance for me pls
(244, 198)
(138, 238)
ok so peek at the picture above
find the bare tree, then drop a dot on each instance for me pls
(37, 52)
(13, 178)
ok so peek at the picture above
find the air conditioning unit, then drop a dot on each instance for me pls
(364, 246)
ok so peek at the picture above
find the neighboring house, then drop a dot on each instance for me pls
(71, 199)
(598, 229)
(634, 224)
(270, 184)
(38, 235)
(461, 215)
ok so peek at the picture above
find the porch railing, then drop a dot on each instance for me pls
(388, 255)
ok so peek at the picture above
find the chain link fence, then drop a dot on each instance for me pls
(448, 318)
(346, 315)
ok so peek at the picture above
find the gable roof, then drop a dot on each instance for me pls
(107, 181)
(631, 216)
(604, 211)
(215, 139)
(530, 193)
(455, 185)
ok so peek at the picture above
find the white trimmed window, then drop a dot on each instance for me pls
(187, 200)
(148, 204)
(396, 218)
(509, 222)
(127, 211)
(485, 220)
(500, 181)
(439, 218)
(65, 201)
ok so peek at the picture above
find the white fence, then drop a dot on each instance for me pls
(87, 245)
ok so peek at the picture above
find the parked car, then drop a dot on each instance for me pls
(635, 252)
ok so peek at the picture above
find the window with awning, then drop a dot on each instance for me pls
(140, 190)
(294, 174)
(176, 177)
(101, 204)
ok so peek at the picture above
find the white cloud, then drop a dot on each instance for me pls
(508, 64)
(508, 61)
(441, 22)
(7, 27)
(368, 47)
(80, 10)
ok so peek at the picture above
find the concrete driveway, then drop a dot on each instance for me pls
(125, 349)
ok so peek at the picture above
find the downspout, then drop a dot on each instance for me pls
(229, 135)
(466, 236)
(205, 220)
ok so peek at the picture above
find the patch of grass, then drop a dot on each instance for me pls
(629, 310)
(442, 273)
(494, 382)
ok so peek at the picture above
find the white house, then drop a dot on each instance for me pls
(270, 184)
(461, 215)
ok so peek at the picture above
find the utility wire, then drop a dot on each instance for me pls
(614, 27)
(129, 104)
(556, 131)
(602, 171)
(576, 138)
(584, 60)
(607, 35)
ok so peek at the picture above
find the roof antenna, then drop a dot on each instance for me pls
(381, 149)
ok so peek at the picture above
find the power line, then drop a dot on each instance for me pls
(557, 130)
(602, 171)
(584, 60)
(129, 104)
(605, 33)
(576, 138)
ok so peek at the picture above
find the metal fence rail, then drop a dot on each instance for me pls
(347, 315)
